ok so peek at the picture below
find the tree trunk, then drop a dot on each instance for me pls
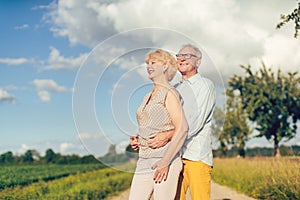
(242, 152)
(277, 150)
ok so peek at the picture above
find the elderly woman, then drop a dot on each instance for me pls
(157, 170)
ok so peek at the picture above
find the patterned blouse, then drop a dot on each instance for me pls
(152, 118)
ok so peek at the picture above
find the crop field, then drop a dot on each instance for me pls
(261, 178)
(82, 182)
(11, 176)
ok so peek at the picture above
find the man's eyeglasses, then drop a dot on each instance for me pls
(186, 56)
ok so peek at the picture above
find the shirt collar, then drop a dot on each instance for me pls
(192, 79)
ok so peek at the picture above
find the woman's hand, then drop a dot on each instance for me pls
(161, 174)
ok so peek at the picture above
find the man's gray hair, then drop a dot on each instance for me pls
(197, 50)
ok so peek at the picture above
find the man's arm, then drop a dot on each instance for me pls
(160, 139)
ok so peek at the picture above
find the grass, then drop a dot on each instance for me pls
(261, 178)
(98, 184)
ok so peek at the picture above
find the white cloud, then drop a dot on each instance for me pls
(24, 26)
(13, 61)
(10, 87)
(282, 52)
(44, 86)
(104, 54)
(227, 30)
(277, 54)
(94, 143)
(78, 21)
(44, 95)
(5, 96)
(128, 62)
(23, 149)
(89, 136)
(48, 84)
(66, 147)
(121, 147)
(57, 62)
(52, 5)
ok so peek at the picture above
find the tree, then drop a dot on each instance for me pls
(217, 127)
(271, 101)
(294, 16)
(130, 152)
(235, 132)
(50, 156)
(28, 157)
(217, 122)
(88, 159)
(35, 154)
(7, 158)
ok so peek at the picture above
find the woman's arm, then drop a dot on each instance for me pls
(173, 105)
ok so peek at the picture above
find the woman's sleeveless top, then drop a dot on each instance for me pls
(153, 117)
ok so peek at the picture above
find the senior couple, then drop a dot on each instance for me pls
(174, 137)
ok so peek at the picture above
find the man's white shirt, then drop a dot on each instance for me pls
(199, 97)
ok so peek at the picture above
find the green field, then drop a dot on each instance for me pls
(82, 182)
(11, 176)
(261, 178)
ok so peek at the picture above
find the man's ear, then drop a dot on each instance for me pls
(198, 62)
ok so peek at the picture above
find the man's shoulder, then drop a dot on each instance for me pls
(205, 81)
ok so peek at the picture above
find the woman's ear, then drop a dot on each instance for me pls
(165, 68)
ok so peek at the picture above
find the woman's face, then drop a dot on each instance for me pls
(155, 68)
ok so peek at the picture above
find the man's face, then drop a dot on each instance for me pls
(187, 60)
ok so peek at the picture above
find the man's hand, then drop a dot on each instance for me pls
(160, 139)
(134, 142)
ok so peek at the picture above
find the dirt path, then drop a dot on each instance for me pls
(218, 192)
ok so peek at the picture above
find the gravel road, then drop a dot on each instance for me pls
(218, 192)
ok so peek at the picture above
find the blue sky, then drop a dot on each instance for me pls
(72, 72)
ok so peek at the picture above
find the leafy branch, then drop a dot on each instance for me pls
(294, 16)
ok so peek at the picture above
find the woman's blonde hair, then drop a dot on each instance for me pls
(166, 58)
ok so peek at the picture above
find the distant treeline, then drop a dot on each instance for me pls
(34, 157)
(293, 150)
